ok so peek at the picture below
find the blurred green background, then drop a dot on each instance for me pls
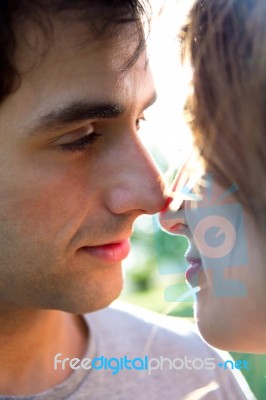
(155, 278)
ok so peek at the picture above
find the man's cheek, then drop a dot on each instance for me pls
(33, 211)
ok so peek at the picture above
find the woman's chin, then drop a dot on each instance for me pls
(212, 323)
(219, 325)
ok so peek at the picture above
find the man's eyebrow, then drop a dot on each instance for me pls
(74, 113)
(77, 112)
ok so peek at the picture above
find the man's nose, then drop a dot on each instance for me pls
(138, 183)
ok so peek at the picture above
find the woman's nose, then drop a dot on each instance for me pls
(173, 219)
(173, 216)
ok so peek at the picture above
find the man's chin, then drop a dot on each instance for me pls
(92, 300)
(88, 308)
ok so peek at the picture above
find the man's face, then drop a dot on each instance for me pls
(74, 175)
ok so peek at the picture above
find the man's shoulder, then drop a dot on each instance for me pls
(173, 346)
(140, 325)
(127, 316)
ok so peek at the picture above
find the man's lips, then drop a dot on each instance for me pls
(110, 252)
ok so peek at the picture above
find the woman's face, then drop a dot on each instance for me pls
(226, 257)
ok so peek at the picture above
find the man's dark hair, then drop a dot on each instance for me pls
(103, 17)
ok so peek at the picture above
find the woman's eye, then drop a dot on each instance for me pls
(81, 144)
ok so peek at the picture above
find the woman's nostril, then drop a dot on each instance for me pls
(177, 228)
(171, 221)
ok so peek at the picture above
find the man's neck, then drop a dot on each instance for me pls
(29, 341)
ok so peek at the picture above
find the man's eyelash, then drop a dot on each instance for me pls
(81, 144)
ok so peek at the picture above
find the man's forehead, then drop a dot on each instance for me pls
(36, 44)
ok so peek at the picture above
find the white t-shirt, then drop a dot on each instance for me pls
(135, 354)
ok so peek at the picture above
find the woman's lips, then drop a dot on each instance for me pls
(195, 266)
(110, 253)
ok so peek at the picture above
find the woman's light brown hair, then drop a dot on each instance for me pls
(225, 41)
